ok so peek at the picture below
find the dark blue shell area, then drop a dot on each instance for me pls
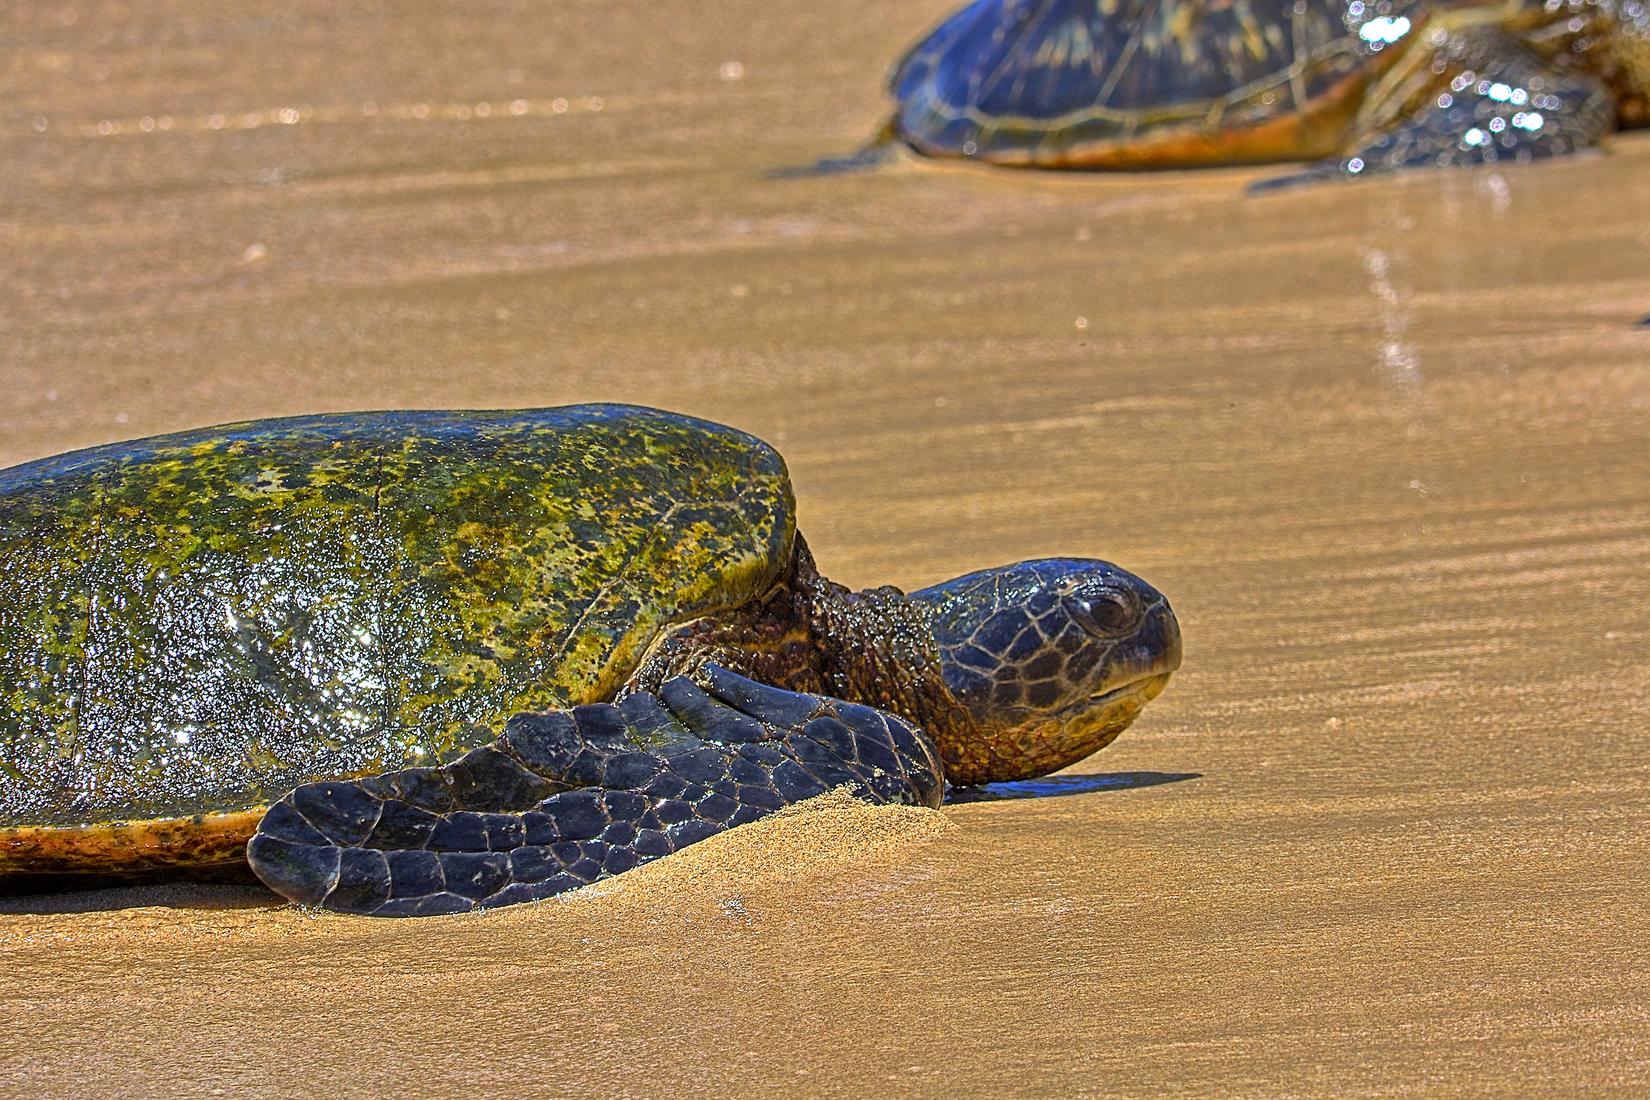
(1006, 73)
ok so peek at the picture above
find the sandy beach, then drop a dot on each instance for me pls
(1385, 445)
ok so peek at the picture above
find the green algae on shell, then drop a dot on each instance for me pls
(198, 622)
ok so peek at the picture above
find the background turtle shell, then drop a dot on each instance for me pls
(1115, 83)
(198, 622)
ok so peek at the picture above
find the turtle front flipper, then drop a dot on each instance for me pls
(883, 147)
(568, 797)
(1481, 97)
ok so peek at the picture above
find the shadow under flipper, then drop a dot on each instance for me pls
(1059, 786)
(86, 898)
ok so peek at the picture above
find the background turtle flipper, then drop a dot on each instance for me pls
(1488, 98)
(568, 797)
(881, 149)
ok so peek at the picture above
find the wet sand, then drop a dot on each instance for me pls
(1386, 446)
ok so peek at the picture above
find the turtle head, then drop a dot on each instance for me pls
(1051, 660)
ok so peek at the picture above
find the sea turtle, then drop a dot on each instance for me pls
(433, 661)
(1360, 85)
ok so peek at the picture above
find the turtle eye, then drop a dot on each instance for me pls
(1103, 613)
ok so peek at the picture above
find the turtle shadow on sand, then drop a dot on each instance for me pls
(195, 895)
(1060, 786)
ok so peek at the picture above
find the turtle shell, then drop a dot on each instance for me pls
(1145, 83)
(193, 624)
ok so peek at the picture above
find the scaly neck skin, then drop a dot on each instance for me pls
(809, 634)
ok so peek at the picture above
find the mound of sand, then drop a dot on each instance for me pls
(800, 844)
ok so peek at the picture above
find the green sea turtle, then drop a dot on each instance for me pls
(1360, 85)
(434, 661)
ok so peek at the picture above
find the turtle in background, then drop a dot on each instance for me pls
(423, 662)
(1355, 86)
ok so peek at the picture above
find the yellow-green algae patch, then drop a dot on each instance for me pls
(198, 622)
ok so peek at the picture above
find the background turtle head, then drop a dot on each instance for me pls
(1052, 659)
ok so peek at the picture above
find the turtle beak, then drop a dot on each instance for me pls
(1155, 655)
(1169, 630)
